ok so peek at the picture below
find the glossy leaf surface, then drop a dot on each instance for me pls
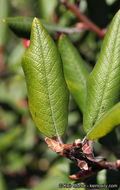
(47, 91)
(75, 71)
(105, 125)
(104, 80)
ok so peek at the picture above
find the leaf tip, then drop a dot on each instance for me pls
(117, 15)
(62, 36)
(119, 11)
(36, 21)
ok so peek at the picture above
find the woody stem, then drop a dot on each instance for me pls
(83, 18)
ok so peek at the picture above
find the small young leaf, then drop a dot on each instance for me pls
(105, 125)
(21, 26)
(47, 91)
(104, 80)
(75, 71)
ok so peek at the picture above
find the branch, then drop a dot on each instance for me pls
(66, 30)
(81, 153)
(96, 167)
(84, 19)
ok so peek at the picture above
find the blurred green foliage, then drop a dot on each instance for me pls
(25, 160)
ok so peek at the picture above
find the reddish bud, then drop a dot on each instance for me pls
(81, 174)
(74, 177)
(83, 165)
(26, 43)
(88, 150)
(77, 142)
(55, 146)
(88, 147)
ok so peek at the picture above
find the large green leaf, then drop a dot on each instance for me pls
(105, 125)
(104, 81)
(47, 91)
(21, 26)
(75, 71)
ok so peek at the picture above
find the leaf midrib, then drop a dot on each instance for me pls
(51, 107)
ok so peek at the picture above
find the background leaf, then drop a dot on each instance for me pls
(7, 139)
(103, 83)
(3, 27)
(109, 120)
(21, 26)
(58, 174)
(14, 60)
(3, 185)
(75, 71)
(14, 87)
(47, 9)
(47, 92)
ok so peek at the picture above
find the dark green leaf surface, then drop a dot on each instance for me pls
(21, 26)
(47, 91)
(105, 125)
(75, 71)
(104, 81)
